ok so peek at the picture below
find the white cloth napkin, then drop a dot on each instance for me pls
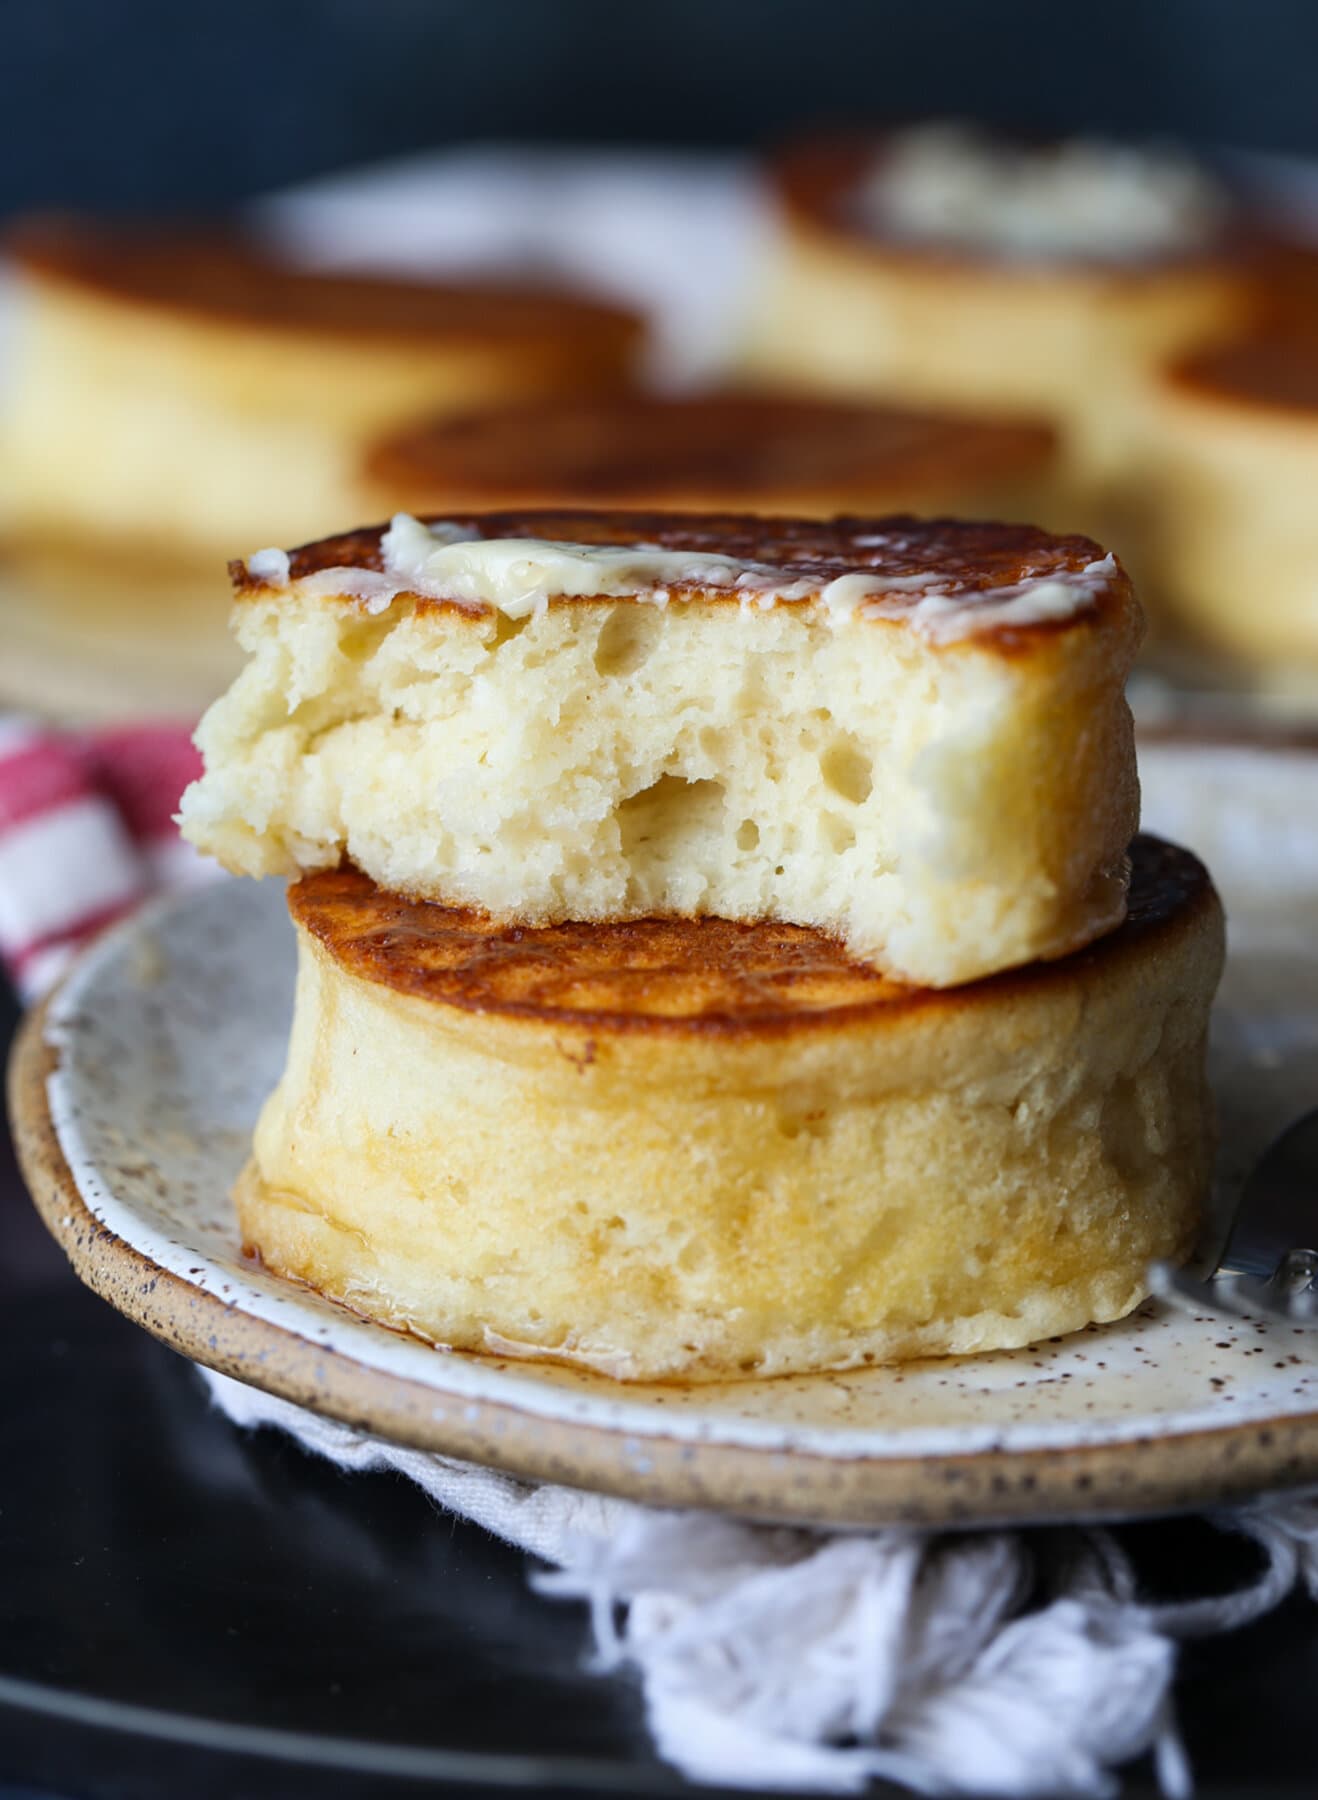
(992, 1663)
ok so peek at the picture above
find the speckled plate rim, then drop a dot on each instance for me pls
(1139, 1473)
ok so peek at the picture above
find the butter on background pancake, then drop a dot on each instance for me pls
(190, 390)
(717, 451)
(698, 1149)
(910, 733)
(945, 266)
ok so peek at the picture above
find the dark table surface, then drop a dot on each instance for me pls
(187, 1611)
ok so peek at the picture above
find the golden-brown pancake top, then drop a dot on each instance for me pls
(732, 449)
(213, 272)
(1271, 369)
(665, 975)
(819, 180)
(969, 561)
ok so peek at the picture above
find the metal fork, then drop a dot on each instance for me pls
(1265, 1270)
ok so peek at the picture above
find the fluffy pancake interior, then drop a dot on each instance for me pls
(947, 811)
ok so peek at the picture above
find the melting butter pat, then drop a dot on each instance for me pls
(520, 576)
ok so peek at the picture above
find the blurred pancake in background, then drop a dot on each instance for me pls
(175, 396)
(939, 303)
(186, 390)
(1231, 465)
(718, 451)
(89, 635)
(939, 265)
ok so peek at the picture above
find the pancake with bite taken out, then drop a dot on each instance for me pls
(909, 733)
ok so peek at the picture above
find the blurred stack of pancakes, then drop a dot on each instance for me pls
(178, 395)
(1164, 326)
(1082, 335)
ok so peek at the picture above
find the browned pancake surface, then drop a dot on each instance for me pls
(212, 272)
(738, 449)
(1271, 369)
(973, 560)
(671, 974)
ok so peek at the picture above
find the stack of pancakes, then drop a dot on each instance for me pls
(722, 948)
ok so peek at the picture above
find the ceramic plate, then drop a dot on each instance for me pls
(136, 1088)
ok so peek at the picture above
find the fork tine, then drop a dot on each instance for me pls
(1289, 1298)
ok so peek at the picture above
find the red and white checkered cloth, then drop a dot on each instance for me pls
(86, 833)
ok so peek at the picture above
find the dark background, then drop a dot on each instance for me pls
(186, 103)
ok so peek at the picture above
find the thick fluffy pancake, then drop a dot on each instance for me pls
(1231, 451)
(191, 390)
(848, 305)
(699, 1149)
(912, 733)
(718, 452)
